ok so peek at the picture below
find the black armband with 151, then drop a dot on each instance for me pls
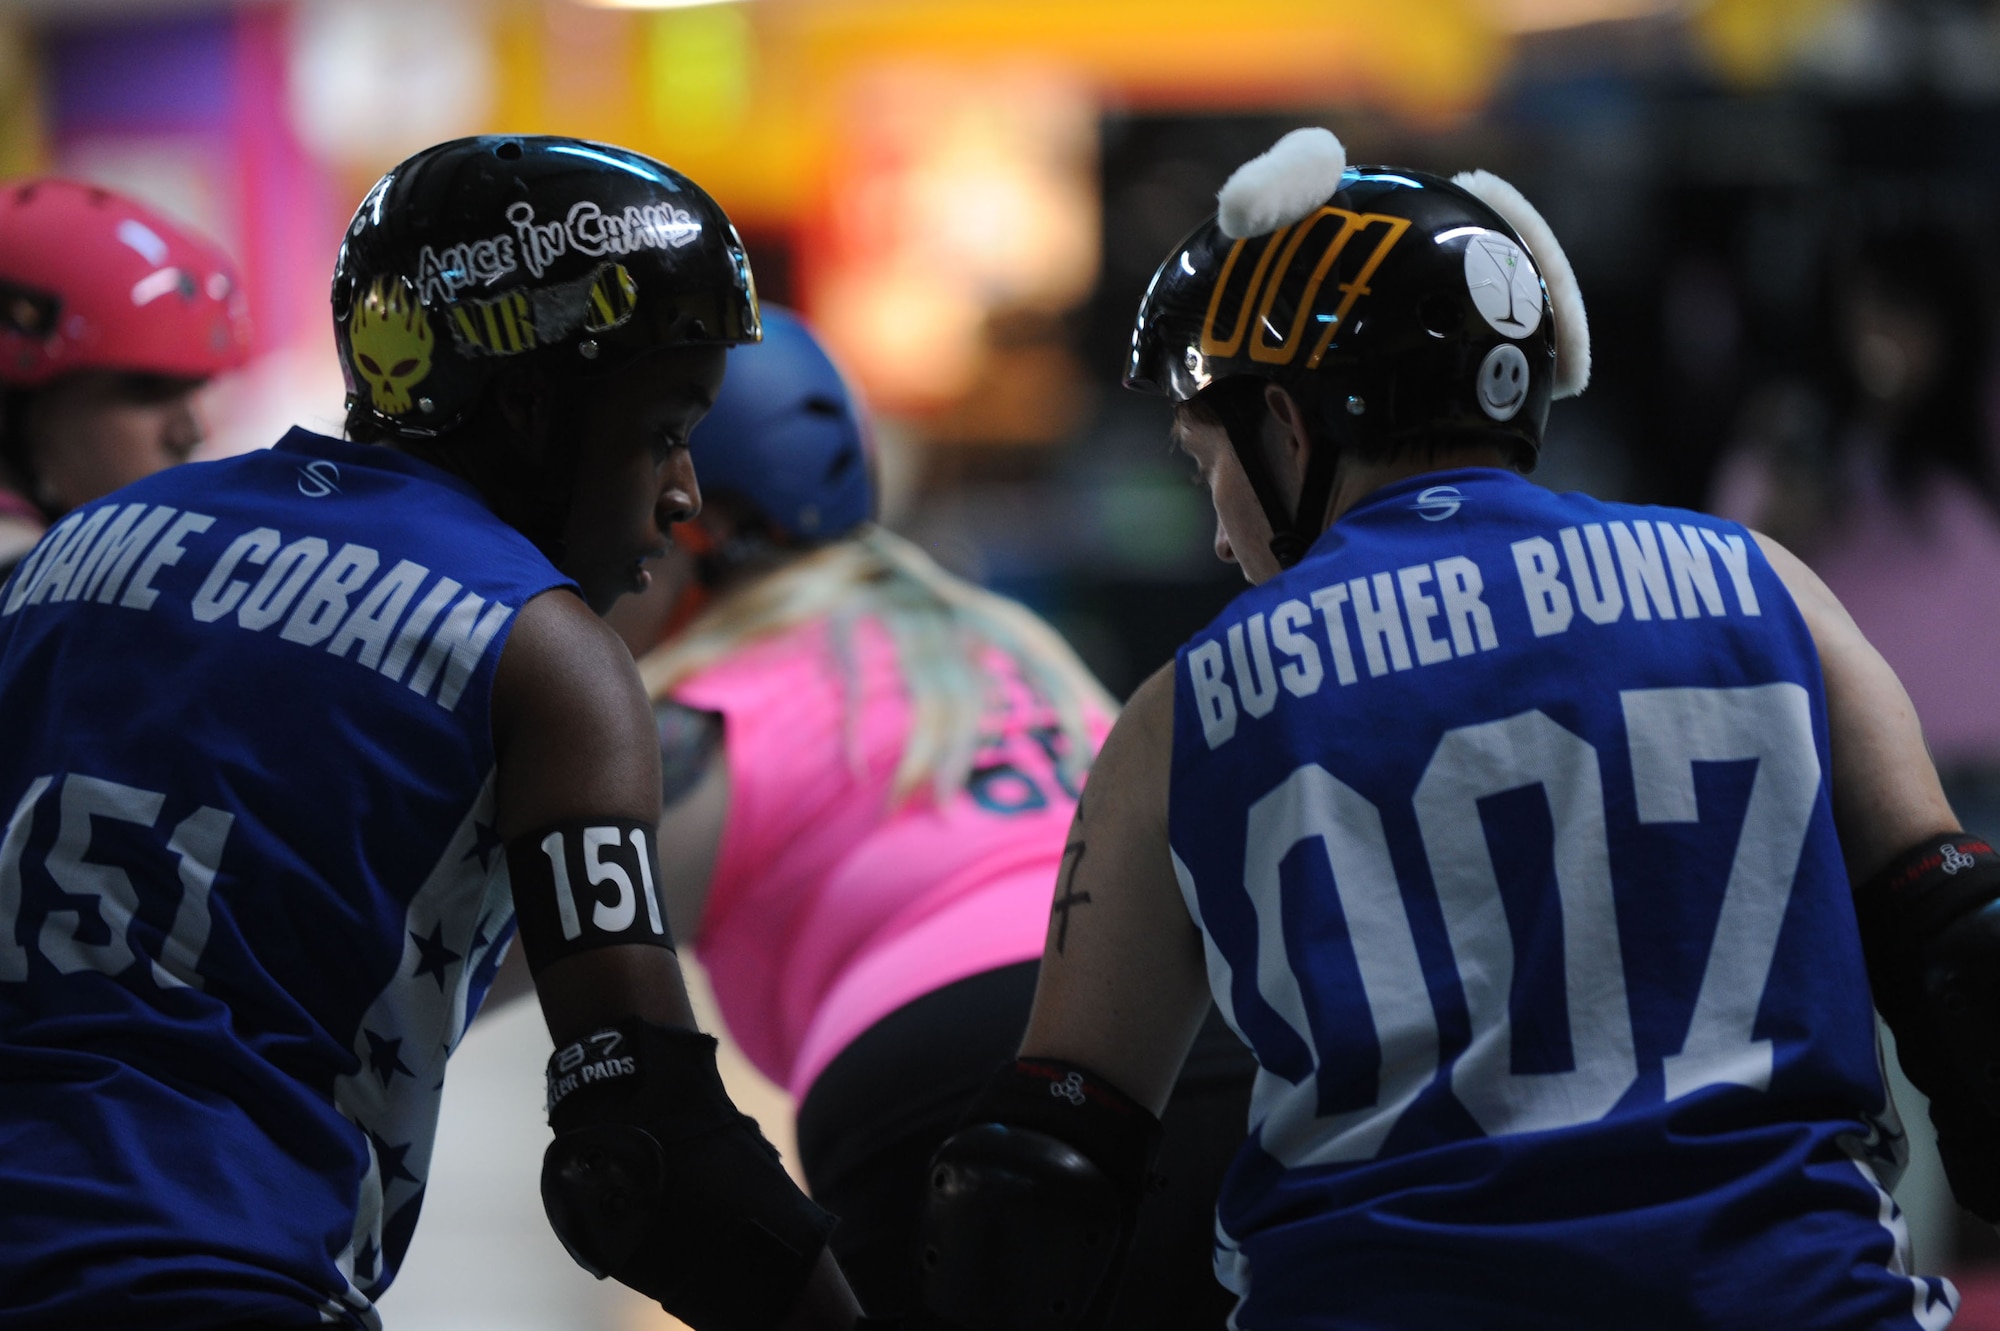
(586, 884)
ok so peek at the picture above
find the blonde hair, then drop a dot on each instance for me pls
(942, 627)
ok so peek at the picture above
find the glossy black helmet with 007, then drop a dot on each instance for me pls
(474, 254)
(1396, 307)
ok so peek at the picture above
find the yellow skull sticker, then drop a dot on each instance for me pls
(391, 342)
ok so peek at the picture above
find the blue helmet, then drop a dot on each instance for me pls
(786, 436)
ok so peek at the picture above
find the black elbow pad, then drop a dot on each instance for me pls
(1032, 1206)
(998, 1191)
(1930, 927)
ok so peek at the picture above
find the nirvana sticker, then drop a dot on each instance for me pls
(524, 320)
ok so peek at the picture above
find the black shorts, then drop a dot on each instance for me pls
(882, 1107)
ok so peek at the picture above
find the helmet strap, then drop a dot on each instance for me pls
(559, 481)
(1292, 531)
(714, 562)
(542, 488)
(531, 497)
(1285, 543)
(15, 454)
(1315, 492)
(710, 562)
(717, 562)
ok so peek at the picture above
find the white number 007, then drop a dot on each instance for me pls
(1669, 731)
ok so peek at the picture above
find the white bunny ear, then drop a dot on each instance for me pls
(1283, 185)
(1572, 329)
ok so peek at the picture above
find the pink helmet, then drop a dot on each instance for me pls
(91, 280)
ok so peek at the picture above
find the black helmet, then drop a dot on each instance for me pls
(481, 250)
(1390, 303)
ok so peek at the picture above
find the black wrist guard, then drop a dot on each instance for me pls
(1032, 1207)
(1930, 926)
(656, 1180)
(584, 885)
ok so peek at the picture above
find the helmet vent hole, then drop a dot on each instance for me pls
(510, 151)
(841, 465)
(823, 406)
(1441, 314)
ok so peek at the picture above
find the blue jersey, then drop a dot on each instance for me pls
(250, 888)
(1505, 819)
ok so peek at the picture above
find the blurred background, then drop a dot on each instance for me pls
(1781, 212)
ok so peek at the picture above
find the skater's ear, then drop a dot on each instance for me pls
(527, 408)
(1287, 439)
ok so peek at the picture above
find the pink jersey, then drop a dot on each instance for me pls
(831, 907)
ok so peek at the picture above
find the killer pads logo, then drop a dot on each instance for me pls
(592, 1059)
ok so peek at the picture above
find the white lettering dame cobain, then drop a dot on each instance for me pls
(314, 594)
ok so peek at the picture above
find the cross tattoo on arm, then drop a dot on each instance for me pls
(1070, 899)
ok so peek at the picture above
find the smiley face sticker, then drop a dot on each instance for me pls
(1503, 382)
